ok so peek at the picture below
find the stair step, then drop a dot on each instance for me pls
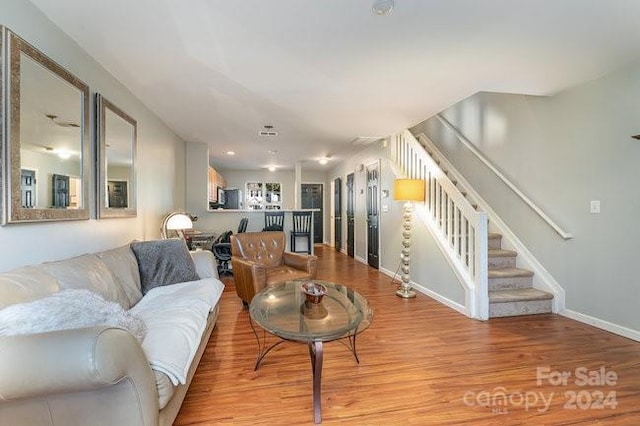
(510, 278)
(499, 258)
(518, 295)
(526, 301)
(495, 240)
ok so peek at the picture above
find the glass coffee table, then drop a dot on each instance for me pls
(282, 310)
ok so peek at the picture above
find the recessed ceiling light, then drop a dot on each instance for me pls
(382, 7)
(272, 168)
(323, 161)
(231, 153)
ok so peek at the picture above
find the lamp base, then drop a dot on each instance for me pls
(406, 293)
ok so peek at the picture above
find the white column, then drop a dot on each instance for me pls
(297, 200)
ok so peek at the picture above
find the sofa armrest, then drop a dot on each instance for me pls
(303, 262)
(249, 277)
(76, 360)
(205, 263)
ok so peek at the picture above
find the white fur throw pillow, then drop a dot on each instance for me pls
(67, 309)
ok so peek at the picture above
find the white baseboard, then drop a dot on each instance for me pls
(432, 294)
(361, 259)
(600, 323)
(440, 298)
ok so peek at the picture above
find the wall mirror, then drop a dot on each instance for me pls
(117, 141)
(46, 156)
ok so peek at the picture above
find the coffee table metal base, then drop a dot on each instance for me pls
(315, 353)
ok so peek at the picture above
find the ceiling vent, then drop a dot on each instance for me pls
(268, 131)
(365, 140)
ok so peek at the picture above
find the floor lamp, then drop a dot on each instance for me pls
(407, 190)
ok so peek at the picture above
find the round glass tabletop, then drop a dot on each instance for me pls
(283, 310)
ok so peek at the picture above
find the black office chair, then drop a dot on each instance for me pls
(301, 229)
(221, 248)
(273, 221)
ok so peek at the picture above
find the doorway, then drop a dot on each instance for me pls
(312, 199)
(337, 213)
(350, 215)
(373, 257)
(28, 188)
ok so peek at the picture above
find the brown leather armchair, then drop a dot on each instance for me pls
(258, 260)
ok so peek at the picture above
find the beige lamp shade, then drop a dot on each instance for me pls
(179, 221)
(408, 190)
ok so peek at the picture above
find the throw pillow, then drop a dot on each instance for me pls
(68, 309)
(163, 262)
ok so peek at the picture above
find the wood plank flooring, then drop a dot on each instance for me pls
(421, 363)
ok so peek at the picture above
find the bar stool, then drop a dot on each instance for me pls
(273, 221)
(301, 229)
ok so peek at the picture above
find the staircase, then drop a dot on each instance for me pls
(459, 219)
(511, 289)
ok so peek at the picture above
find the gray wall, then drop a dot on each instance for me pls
(161, 158)
(564, 151)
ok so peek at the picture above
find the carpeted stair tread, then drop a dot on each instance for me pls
(509, 273)
(493, 235)
(518, 295)
(502, 253)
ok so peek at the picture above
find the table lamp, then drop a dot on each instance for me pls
(407, 190)
(176, 221)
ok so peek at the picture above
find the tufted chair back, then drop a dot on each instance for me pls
(259, 259)
(266, 248)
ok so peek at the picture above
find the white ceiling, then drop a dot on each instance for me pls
(324, 72)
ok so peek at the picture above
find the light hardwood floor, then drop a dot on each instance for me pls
(421, 363)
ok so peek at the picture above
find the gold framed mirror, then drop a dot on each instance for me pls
(117, 144)
(46, 137)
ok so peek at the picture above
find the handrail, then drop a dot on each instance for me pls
(466, 142)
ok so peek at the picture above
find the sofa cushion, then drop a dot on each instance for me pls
(205, 263)
(123, 265)
(25, 284)
(176, 317)
(284, 273)
(163, 262)
(165, 388)
(67, 309)
(89, 272)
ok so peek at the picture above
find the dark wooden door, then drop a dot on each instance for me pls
(60, 189)
(117, 194)
(312, 199)
(337, 213)
(350, 215)
(373, 257)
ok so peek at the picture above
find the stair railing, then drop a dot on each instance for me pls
(466, 142)
(460, 230)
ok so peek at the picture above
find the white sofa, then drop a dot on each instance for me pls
(101, 375)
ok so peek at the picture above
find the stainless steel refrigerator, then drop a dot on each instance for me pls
(233, 199)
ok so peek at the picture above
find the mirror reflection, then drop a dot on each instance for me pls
(47, 152)
(117, 147)
(50, 139)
